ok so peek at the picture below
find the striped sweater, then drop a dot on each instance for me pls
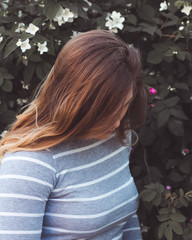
(74, 190)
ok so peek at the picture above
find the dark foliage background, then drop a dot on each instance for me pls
(161, 162)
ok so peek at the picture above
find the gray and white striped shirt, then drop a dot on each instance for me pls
(74, 190)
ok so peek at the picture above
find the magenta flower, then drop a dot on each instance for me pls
(152, 105)
(168, 187)
(152, 91)
(185, 151)
(131, 149)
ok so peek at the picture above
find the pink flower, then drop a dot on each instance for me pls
(152, 105)
(185, 151)
(131, 149)
(190, 220)
(168, 187)
(152, 91)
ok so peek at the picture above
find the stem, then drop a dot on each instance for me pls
(146, 164)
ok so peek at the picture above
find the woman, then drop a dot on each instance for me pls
(65, 170)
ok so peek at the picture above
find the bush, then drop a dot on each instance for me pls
(33, 32)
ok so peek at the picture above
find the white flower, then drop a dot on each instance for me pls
(1, 38)
(51, 26)
(89, 3)
(20, 14)
(32, 29)
(23, 45)
(181, 28)
(115, 21)
(25, 60)
(186, 10)
(163, 6)
(4, 5)
(25, 86)
(21, 101)
(129, 4)
(75, 34)
(64, 15)
(3, 133)
(42, 47)
(20, 28)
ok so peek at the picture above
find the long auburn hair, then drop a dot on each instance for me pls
(82, 95)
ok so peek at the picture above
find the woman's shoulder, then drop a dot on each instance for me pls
(42, 157)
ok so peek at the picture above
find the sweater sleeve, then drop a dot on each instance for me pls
(26, 180)
(132, 229)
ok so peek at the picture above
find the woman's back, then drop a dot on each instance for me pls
(75, 190)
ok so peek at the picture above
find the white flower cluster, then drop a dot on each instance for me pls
(24, 45)
(186, 9)
(114, 21)
(64, 15)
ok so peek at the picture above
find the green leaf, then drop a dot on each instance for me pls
(29, 72)
(184, 201)
(181, 85)
(162, 118)
(187, 234)
(10, 47)
(164, 211)
(35, 58)
(170, 102)
(163, 217)
(178, 113)
(148, 195)
(39, 38)
(160, 46)
(176, 126)
(169, 232)
(148, 28)
(7, 86)
(51, 8)
(7, 117)
(161, 229)
(154, 57)
(181, 192)
(147, 13)
(159, 106)
(168, 53)
(1, 80)
(37, 21)
(146, 135)
(157, 200)
(181, 55)
(185, 166)
(176, 177)
(179, 4)
(43, 69)
(177, 217)
(131, 18)
(2, 29)
(82, 13)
